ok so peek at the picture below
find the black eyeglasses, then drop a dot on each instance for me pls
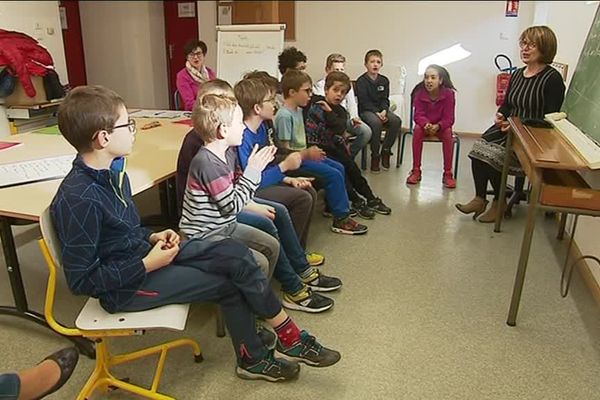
(272, 100)
(130, 124)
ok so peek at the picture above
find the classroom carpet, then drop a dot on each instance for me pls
(421, 314)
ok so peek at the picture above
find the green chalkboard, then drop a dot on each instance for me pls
(582, 102)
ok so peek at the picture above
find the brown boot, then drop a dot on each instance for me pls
(375, 164)
(385, 159)
(476, 206)
(489, 217)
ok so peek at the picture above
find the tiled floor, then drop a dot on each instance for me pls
(421, 314)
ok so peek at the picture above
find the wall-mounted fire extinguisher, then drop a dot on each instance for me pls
(512, 8)
(503, 78)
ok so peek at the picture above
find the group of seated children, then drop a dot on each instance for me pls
(108, 255)
(432, 99)
(245, 177)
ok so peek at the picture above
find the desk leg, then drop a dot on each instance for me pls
(21, 309)
(168, 202)
(503, 180)
(525, 248)
(561, 226)
(12, 265)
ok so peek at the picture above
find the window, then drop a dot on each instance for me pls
(443, 57)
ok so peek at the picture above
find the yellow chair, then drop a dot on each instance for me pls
(98, 325)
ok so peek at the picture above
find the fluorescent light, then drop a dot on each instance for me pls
(444, 57)
(592, 2)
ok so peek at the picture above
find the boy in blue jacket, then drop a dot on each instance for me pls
(107, 254)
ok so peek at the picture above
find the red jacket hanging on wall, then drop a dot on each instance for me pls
(24, 56)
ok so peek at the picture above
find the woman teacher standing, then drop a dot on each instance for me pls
(534, 90)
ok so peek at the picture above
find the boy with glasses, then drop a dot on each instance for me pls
(289, 127)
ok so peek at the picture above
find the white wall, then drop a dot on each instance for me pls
(207, 20)
(124, 44)
(560, 16)
(23, 16)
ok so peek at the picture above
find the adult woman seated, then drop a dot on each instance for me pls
(194, 74)
(534, 90)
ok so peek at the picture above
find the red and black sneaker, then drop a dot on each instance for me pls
(348, 226)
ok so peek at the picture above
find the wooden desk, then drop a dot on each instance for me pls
(551, 166)
(153, 161)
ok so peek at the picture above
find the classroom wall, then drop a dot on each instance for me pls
(559, 15)
(23, 16)
(207, 20)
(124, 44)
(406, 32)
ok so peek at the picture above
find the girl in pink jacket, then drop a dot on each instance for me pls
(433, 102)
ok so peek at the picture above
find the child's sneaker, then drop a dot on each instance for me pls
(377, 205)
(306, 300)
(318, 282)
(352, 212)
(315, 259)
(269, 368)
(414, 177)
(363, 210)
(448, 180)
(308, 351)
(348, 226)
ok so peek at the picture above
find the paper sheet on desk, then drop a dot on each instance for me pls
(35, 170)
(9, 145)
(48, 130)
(169, 114)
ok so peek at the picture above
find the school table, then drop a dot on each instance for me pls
(153, 161)
(552, 166)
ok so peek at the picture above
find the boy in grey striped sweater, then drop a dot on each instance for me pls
(214, 196)
(211, 200)
(210, 206)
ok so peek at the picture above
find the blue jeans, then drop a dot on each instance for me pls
(10, 386)
(334, 178)
(292, 260)
(222, 272)
(363, 134)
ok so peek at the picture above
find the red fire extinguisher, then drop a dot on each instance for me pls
(503, 78)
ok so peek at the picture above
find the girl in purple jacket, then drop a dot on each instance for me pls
(433, 102)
